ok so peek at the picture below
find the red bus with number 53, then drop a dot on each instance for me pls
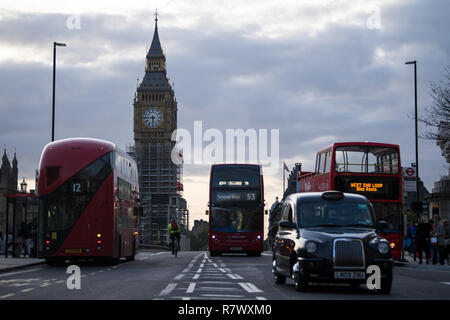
(88, 201)
(236, 209)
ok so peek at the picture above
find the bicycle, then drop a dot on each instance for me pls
(174, 246)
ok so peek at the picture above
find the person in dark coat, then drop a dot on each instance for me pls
(422, 239)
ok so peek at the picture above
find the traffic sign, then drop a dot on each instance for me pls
(409, 172)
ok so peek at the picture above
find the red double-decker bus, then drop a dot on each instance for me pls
(236, 209)
(366, 168)
(88, 201)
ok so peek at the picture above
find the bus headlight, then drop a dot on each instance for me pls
(383, 247)
(311, 247)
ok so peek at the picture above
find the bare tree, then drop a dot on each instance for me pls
(437, 116)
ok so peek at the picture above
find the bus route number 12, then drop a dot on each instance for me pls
(76, 187)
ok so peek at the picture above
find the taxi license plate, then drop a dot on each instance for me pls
(73, 251)
(236, 248)
(349, 275)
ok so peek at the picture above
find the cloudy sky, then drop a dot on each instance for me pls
(319, 71)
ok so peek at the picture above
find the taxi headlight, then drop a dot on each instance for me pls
(383, 247)
(311, 247)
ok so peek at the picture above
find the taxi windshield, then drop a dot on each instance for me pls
(342, 213)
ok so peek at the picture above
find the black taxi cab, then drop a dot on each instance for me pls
(331, 237)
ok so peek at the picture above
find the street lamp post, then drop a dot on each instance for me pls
(55, 44)
(417, 144)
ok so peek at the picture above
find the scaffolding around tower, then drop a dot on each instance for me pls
(160, 187)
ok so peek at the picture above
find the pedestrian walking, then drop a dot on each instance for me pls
(439, 232)
(2, 244)
(431, 240)
(422, 239)
(446, 240)
(411, 236)
(27, 238)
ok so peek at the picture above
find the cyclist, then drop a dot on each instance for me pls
(174, 233)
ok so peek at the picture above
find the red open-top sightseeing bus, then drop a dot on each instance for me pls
(88, 201)
(366, 168)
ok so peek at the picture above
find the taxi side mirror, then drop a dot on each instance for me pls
(285, 224)
(266, 212)
(381, 225)
(206, 212)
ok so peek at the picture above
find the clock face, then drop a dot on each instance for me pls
(152, 118)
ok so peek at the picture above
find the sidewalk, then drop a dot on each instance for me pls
(415, 264)
(10, 264)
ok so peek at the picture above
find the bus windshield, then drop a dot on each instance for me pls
(367, 159)
(236, 176)
(62, 208)
(232, 219)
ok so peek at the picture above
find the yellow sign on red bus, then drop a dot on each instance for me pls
(366, 186)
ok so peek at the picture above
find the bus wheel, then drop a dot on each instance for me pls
(133, 253)
(55, 261)
(254, 254)
(213, 253)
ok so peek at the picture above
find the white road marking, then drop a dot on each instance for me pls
(222, 295)
(191, 287)
(179, 277)
(7, 295)
(249, 287)
(234, 276)
(18, 272)
(196, 276)
(170, 287)
(18, 284)
(447, 283)
(260, 298)
(27, 290)
(218, 289)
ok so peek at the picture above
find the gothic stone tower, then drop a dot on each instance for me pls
(155, 118)
(8, 184)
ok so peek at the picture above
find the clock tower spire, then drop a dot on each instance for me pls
(155, 118)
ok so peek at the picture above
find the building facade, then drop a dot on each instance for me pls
(160, 179)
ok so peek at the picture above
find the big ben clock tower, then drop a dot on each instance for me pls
(155, 118)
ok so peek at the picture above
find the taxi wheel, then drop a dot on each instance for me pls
(279, 279)
(386, 286)
(300, 283)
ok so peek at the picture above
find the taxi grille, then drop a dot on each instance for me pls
(348, 253)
